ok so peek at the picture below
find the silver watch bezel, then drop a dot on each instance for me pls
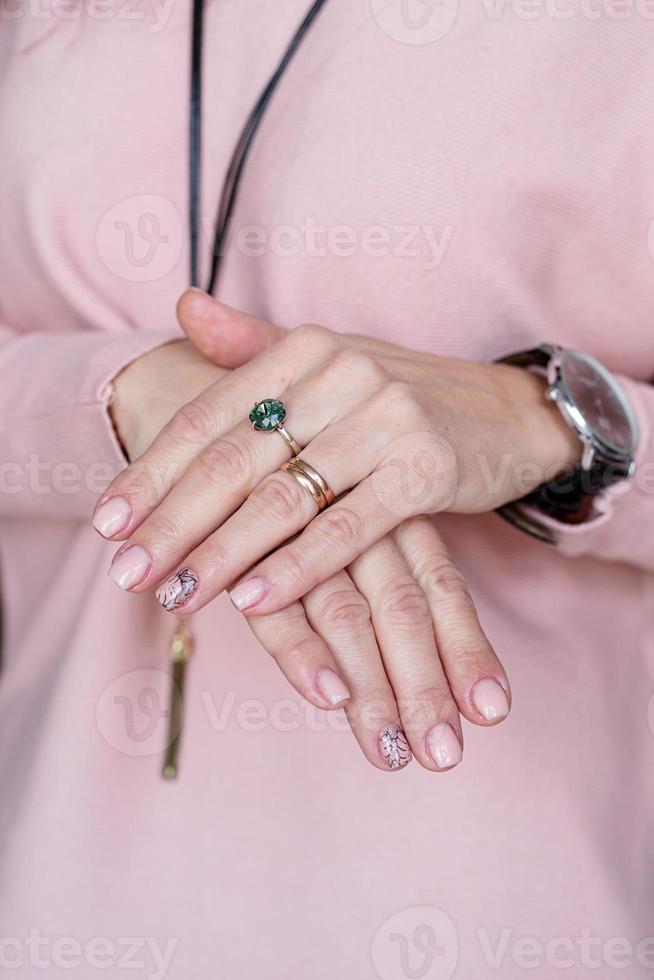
(595, 446)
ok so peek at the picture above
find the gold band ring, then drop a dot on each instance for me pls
(268, 416)
(314, 475)
(311, 480)
(306, 482)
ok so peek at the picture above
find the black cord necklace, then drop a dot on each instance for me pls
(242, 148)
(181, 646)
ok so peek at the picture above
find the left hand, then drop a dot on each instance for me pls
(395, 434)
(395, 641)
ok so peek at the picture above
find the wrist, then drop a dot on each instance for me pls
(149, 390)
(548, 443)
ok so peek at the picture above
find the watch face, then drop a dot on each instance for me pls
(597, 402)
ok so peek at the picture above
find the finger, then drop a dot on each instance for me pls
(230, 338)
(273, 513)
(139, 488)
(303, 656)
(343, 454)
(475, 674)
(331, 542)
(224, 335)
(341, 616)
(403, 625)
(360, 518)
(222, 476)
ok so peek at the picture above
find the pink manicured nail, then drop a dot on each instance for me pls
(112, 516)
(130, 567)
(247, 594)
(331, 686)
(444, 747)
(490, 700)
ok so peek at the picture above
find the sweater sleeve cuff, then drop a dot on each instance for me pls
(106, 364)
(619, 526)
(59, 445)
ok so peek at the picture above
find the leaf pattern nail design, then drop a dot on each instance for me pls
(394, 747)
(177, 589)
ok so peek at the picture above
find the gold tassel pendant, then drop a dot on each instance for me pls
(181, 649)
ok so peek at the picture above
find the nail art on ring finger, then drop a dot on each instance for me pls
(177, 590)
(394, 747)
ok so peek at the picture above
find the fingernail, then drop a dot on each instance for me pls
(444, 747)
(112, 516)
(247, 594)
(177, 590)
(130, 567)
(332, 688)
(490, 700)
(394, 747)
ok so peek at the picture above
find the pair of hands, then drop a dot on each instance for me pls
(361, 605)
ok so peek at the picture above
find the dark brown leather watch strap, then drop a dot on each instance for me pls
(534, 357)
(567, 498)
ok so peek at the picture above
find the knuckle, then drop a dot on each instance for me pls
(400, 394)
(343, 609)
(339, 526)
(215, 559)
(419, 706)
(291, 567)
(439, 694)
(192, 423)
(404, 602)
(306, 648)
(162, 532)
(471, 658)
(311, 335)
(146, 483)
(226, 461)
(356, 366)
(443, 580)
(279, 497)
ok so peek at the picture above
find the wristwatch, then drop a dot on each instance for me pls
(593, 404)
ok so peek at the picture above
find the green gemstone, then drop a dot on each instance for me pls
(268, 415)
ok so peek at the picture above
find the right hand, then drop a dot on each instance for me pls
(394, 640)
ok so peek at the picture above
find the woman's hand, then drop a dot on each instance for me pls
(399, 625)
(395, 434)
(396, 642)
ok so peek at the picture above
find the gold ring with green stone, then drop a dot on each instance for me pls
(269, 416)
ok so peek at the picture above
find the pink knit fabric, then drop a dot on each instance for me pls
(469, 184)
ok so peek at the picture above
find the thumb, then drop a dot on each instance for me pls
(224, 335)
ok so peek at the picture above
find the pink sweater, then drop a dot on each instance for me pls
(468, 186)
